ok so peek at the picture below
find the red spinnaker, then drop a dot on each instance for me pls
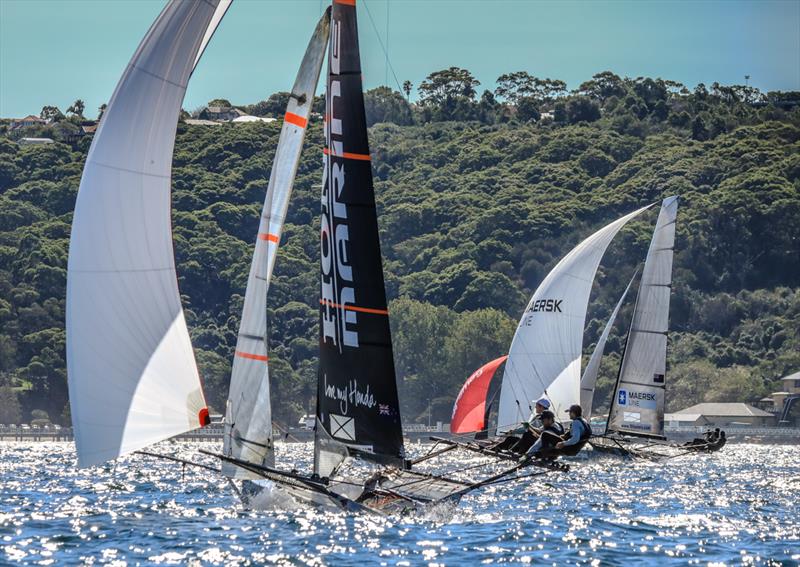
(469, 410)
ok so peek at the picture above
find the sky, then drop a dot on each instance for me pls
(55, 51)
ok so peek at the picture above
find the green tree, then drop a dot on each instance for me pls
(77, 108)
(442, 86)
(10, 409)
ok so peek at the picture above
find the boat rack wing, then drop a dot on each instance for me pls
(487, 449)
(305, 488)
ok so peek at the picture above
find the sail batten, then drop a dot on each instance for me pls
(132, 375)
(545, 355)
(248, 419)
(358, 411)
(637, 407)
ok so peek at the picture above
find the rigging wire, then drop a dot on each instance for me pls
(380, 42)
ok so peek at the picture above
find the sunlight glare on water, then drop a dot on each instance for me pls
(736, 506)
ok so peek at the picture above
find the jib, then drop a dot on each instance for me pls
(548, 305)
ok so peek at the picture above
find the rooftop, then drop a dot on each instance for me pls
(795, 376)
(733, 409)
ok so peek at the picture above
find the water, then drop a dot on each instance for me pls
(735, 507)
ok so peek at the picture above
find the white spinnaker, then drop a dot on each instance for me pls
(133, 379)
(638, 403)
(248, 419)
(545, 355)
(589, 378)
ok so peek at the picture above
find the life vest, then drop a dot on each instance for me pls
(556, 428)
(586, 433)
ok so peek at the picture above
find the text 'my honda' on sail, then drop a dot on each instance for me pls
(133, 379)
(357, 404)
(248, 416)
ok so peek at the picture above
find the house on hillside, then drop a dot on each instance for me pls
(248, 118)
(220, 113)
(721, 415)
(785, 404)
(34, 141)
(30, 120)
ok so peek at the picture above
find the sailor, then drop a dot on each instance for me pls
(551, 434)
(535, 419)
(532, 428)
(521, 438)
(579, 432)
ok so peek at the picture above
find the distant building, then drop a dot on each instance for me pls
(30, 120)
(89, 129)
(720, 414)
(34, 141)
(784, 405)
(220, 113)
(249, 118)
(198, 122)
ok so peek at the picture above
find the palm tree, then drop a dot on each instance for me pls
(77, 108)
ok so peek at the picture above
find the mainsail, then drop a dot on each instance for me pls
(469, 411)
(133, 379)
(589, 378)
(357, 402)
(545, 355)
(637, 407)
(248, 419)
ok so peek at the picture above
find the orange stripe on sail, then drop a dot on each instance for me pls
(252, 356)
(354, 308)
(266, 236)
(296, 119)
(345, 2)
(347, 155)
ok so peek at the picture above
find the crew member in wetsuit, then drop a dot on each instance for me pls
(532, 428)
(551, 434)
(520, 439)
(579, 432)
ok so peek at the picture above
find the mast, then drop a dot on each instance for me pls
(545, 355)
(248, 419)
(358, 412)
(637, 407)
(589, 378)
(132, 375)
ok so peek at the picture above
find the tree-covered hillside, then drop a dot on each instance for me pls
(478, 198)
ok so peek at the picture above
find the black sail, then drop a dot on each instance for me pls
(358, 411)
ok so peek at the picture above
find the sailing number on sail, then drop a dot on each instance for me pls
(338, 323)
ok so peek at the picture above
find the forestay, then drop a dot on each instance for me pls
(589, 378)
(545, 355)
(132, 374)
(357, 403)
(248, 419)
(638, 404)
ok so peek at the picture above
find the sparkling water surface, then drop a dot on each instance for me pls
(739, 506)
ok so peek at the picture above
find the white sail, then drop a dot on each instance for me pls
(638, 404)
(133, 379)
(545, 355)
(589, 378)
(248, 419)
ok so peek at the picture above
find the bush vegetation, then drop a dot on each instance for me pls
(479, 195)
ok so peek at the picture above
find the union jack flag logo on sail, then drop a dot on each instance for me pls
(384, 409)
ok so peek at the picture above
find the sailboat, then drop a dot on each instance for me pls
(358, 411)
(545, 355)
(132, 375)
(248, 417)
(635, 425)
